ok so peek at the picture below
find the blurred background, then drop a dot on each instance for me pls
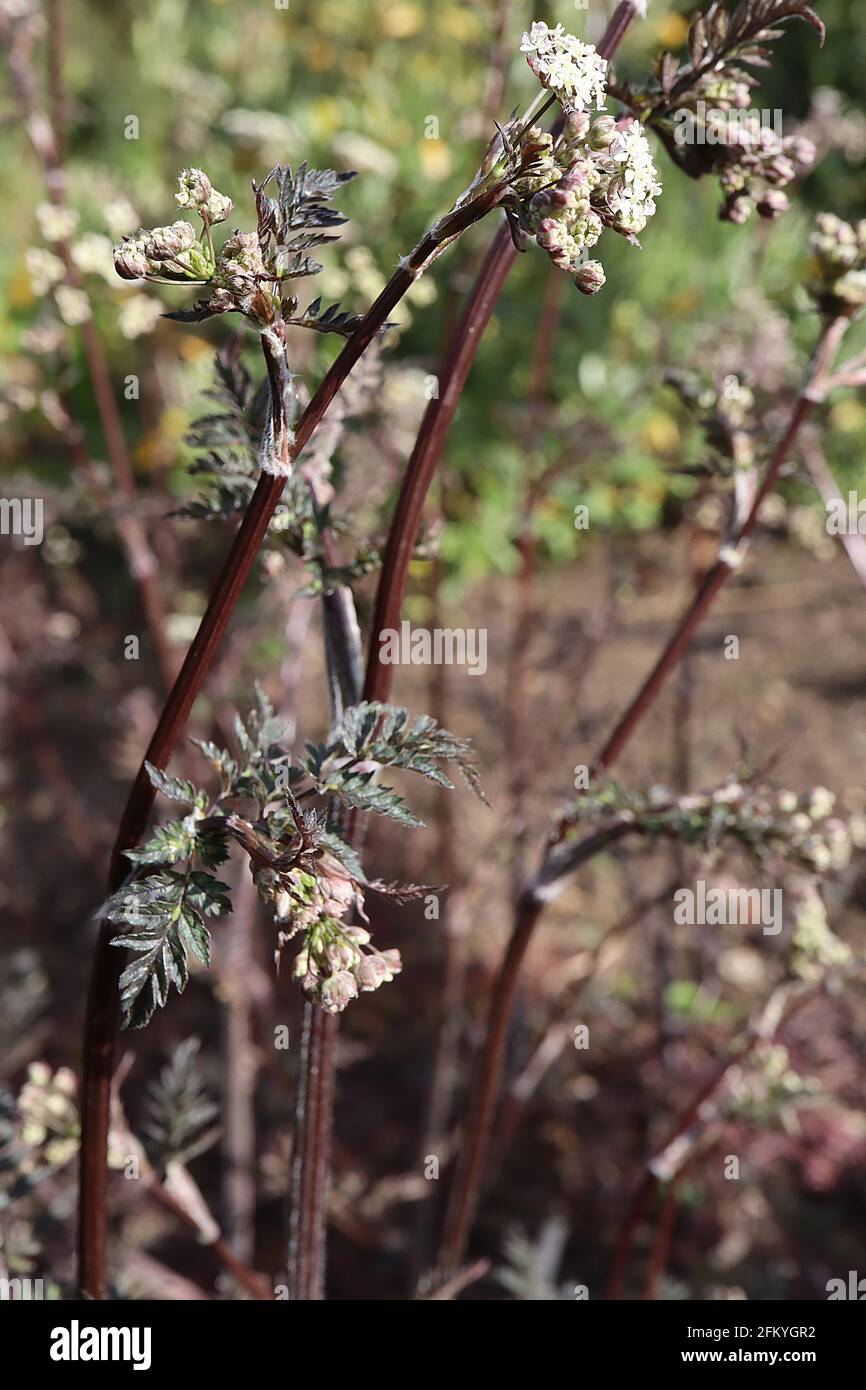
(567, 405)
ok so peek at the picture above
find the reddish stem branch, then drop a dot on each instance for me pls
(530, 903)
(245, 1277)
(102, 1005)
(439, 414)
(690, 1118)
(102, 1015)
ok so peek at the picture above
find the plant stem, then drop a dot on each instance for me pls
(311, 1169)
(102, 1011)
(102, 1004)
(439, 414)
(831, 334)
(531, 901)
(244, 1276)
(689, 1118)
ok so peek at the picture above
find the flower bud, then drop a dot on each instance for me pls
(338, 991)
(372, 972)
(130, 262)
(772, 203)
(589, 277)
(166, 243)
(737, 210)
(802, 152)
(195, 190)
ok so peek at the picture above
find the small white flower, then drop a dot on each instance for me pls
(572, 70)
(92, 254)
(822, 803)
(636, 186)
(44, 268)
(73, 305)
(56, 224)
(121, 218)
(139, 314)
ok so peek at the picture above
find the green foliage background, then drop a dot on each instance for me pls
(311, 79)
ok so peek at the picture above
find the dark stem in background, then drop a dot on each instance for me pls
(517, 703)
(239, 969)
(689, 1119)
(314, 1110)
(661, 1246)
(449, 1016)
(531, 902)
(558, 1029)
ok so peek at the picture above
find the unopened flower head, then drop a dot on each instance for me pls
(195, 190)
(839, 249)
(572, 70)
(603, 177)
(164, 253)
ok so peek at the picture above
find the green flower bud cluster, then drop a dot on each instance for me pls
(768, 1083)
(816, 948)
(164, 253)
(839, 250)
(333, 967)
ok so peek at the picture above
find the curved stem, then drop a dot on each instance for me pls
(439, 414)
(531, 902)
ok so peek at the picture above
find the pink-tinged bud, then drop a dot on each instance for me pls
(772, 203)
(195, 190)
(576, 126)
(603, 130)
(781, 169)
(341, 956)
(359, 936)
(589, 277)
(392, 961)
(372, 972)
(338, 991)
(737, 210)
(130, 262)
(802, 152)
(164, 243)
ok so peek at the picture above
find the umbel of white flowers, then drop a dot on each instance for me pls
(599, 173)
(574, 71)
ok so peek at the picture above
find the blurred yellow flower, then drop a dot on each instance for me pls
(460, 24)
(435, 159)
(848, 416)
(672, 29)
(681, 303)
(401, 21)
(325, 117)
(191, 348)
(659, 433)
(319, 55)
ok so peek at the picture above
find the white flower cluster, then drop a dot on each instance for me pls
(632, 192)
(598, 175)
(572, 70)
